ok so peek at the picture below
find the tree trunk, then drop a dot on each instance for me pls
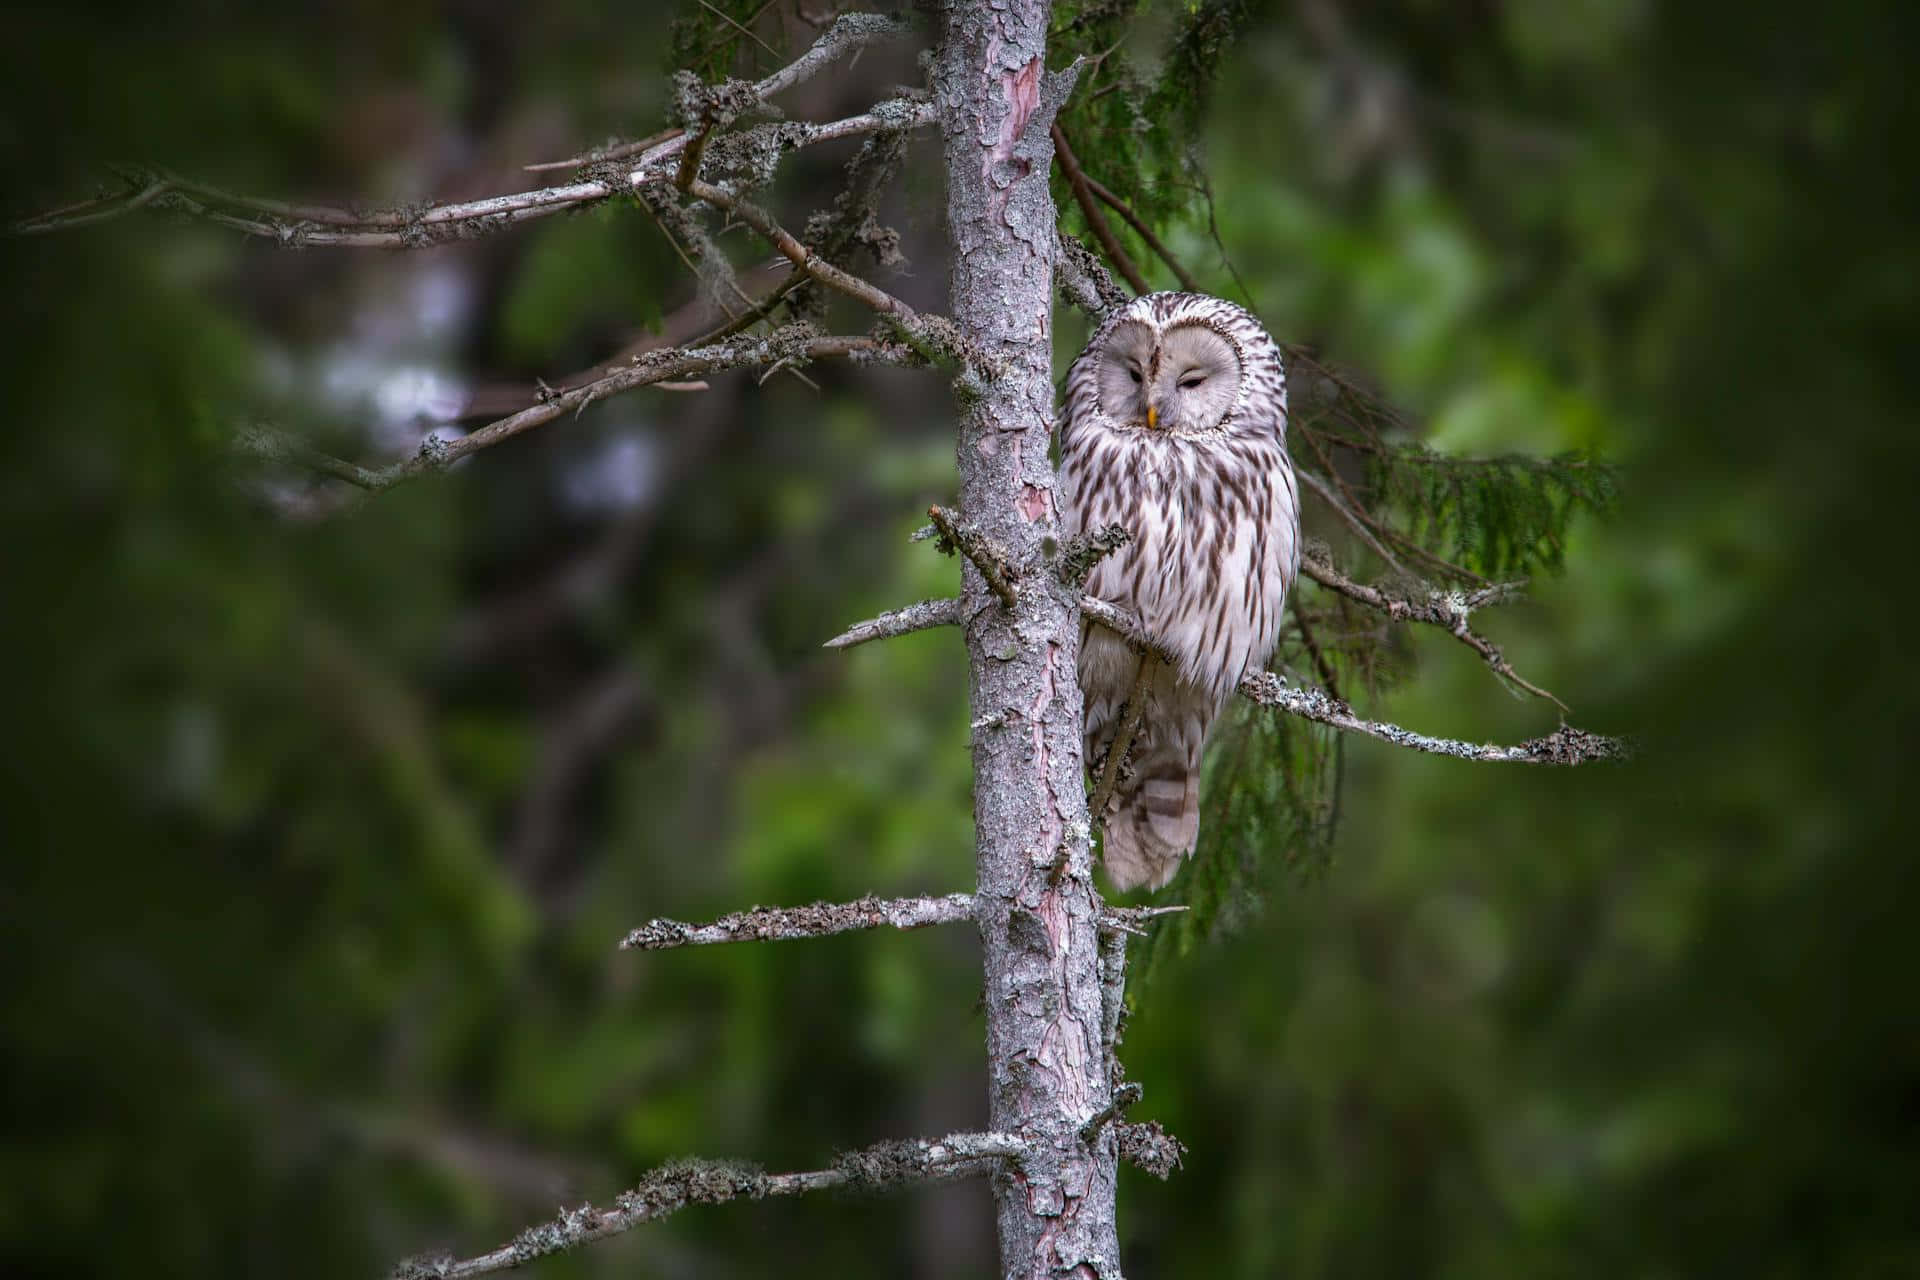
(1038, 912)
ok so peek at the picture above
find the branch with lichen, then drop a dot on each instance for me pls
(899, 622)
(957, 535)
(820, 920)
(1083, 279)
(1565, 745)
(675, 1186)
(419, 226)
(787, 346)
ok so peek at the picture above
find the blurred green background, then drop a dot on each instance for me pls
(319, 832)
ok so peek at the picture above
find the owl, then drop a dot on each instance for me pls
(1175, 429)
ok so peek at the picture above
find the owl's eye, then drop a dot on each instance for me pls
(1188, 384)
(1135, 375)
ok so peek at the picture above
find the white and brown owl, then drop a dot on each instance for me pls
(1176, 429)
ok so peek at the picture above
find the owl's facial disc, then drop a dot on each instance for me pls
(1194, 382)
(1126, 363)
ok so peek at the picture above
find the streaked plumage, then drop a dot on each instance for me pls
(1175, 429)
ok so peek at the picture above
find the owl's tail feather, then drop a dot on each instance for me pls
(1153, 820)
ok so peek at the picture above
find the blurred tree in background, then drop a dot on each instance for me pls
(319, 833)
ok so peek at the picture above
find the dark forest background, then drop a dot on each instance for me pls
(318, 833)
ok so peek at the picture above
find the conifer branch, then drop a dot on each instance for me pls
(1096, 220)
(821, 920)
(673, 1187)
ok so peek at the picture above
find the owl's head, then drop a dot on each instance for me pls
(1181, 377)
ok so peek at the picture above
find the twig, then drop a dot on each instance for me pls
(967, 540)
(88, 212)
(899, 622)
(1145, 232)
(1122, 1098)
(821, 920)
(732, 22)
(1134, 917)
(673, 1187)
(1354, 521)
(930, 341)
(1096, 220)
(275, 446)
(618, 151)
(1321, 667)
(1448, 611)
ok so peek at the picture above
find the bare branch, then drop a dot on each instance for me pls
(1447, 610)
(673, 1187)
(1096, 220)
(899, 622)
(821, 920)
(964, 538)
(88, 212)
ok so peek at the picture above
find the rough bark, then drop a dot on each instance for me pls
(1037, 908)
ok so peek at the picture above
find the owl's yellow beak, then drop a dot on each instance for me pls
(1153, 417)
